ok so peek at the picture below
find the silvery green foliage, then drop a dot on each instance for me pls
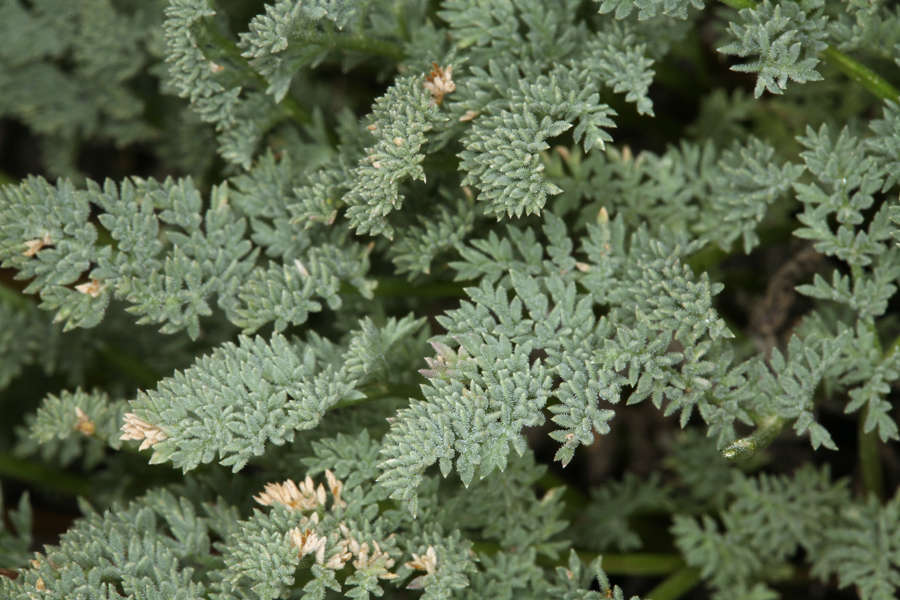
(627, 71)
(170, 257)
(502, 150)
(242, 397)
(872, 26)
(84, 424)
(66, 71)
(886, 144)
(768, 519)
(786, 37)
(751, 181)
(648, 8)
(24, 341)
(573, 583)
(789, 383)
(854, 557)
(400, 120)
(16, 541)
(603, 526)
(289, 346)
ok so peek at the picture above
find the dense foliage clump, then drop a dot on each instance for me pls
(365, 275)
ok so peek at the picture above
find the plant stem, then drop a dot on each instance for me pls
(854, 70)
(130, 365)
(206, 30)
(14, 297)
(354, 43)
(638, 564)
(48, 477)
(126, 363)
(675, 585)
(767, 429)
(861, 74)
(870, 458)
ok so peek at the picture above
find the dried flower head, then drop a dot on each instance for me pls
(292, 497)
(340, 558)
(94, 288)
(307, 541)
(136, 429)
(427, 562)
(83, 423)
(379, 558)
(439, 82)
(336, 486)
(34, 246)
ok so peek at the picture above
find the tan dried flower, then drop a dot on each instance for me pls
(336, 486)
(94, 288)
(427, 562)
(34, 246)
(308, 489)
(337, 561)
(137, 429)
(470, 114)
(439, 82)
(292, 497)
(83, 424)
(307, 541)
(378, 558)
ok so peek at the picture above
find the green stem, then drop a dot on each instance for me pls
(675, 585)
(126, 363)
(351, 42)
(861, 74)
(41, 475)
(895, 345)
(130, 365)
(14, 298)
(870, 458)
(767, 429)
(206, 30)
(854, 70)
(637, 564)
